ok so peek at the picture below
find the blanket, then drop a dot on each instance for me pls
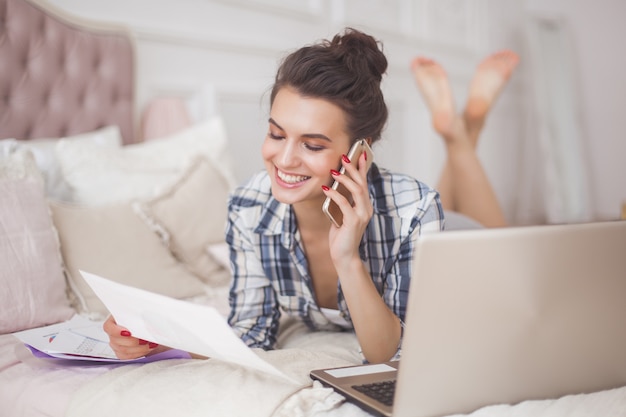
(210, 387)
(193, 387)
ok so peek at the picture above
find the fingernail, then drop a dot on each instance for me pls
(325, 187)
(143, 342)
(365, 155)
(125, 333)
(345, 159)
(152, 345)
(334, 172)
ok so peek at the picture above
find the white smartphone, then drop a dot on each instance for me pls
(330, 208)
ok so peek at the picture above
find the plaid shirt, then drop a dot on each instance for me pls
(270, 270)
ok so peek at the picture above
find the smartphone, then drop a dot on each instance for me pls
(330, 208)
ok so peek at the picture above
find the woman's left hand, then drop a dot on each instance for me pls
(344, 241)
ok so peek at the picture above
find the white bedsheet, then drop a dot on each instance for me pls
(34, 387)
(201, 388)
(323, 402)
(212, 387)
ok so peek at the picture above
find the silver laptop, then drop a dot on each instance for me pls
(498, 316)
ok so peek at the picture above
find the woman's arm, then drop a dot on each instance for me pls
(377, 318)
(377, 328)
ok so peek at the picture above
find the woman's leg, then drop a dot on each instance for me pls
(432, 81)
(463, 185)
(489, 79)
(471, 189)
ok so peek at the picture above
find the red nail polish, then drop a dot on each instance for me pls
(143, 342)
(152, 345)
(365, 155)
(335, 172)
(125, 333)
(325, 187)
(345, 159)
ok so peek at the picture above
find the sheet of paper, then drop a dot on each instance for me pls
(175, 323)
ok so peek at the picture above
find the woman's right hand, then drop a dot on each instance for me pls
(124, 344)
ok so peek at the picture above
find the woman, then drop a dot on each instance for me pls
(287, 257)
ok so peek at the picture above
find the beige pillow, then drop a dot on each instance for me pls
(32, 286)
(190, 216)
(221, 253)
(113, 242)
(100, 175)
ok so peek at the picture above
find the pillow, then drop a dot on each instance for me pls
(45, 156)
(31, 271)
(220, 252)
(191, 215)
(142, 170)
(113, 242)
(458, 221)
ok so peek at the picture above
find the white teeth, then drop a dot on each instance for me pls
(291, 179)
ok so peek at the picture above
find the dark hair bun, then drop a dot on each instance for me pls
(347, 71)
(362, 53)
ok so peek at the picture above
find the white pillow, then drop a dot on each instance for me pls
(190, 216)
(32, 285)
(45, 156)
(137, 171)
(458, 221)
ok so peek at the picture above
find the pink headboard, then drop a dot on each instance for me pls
(59, 77)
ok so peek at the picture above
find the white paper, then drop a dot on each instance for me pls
(77, 337)
(175, 323)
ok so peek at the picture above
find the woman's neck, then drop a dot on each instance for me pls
(310, 215)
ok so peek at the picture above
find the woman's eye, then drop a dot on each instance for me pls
(313, 148)
(274, 136)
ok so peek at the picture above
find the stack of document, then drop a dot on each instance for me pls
(80, 339)
(181, 325)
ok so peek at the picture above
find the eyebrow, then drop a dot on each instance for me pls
(306, 135)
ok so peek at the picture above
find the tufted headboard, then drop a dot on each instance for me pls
(60, 76)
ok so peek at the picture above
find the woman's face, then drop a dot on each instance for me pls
(305, 140)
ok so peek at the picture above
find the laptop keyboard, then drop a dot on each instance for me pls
(380, 391)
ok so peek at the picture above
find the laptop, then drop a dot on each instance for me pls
(498, 316)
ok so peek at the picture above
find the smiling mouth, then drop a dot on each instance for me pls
(290, 179)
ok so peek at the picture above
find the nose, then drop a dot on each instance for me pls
(288, 155)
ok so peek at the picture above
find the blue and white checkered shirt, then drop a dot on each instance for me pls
(270, 270)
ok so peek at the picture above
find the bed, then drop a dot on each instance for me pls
(82, 190)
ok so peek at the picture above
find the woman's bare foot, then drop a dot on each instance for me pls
(432, 82)
(490, 77)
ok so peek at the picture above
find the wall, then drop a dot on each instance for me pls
(233, 48)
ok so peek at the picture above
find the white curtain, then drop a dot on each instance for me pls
(560, 151)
